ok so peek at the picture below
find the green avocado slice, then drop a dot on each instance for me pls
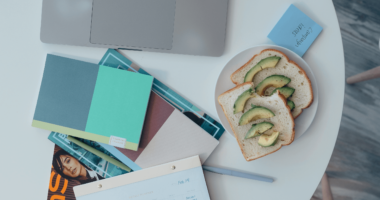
(291, 104)
(263, 64)
(242, 99)
(286, 91)
(255, 113)
(268, 140)
(258, 129)
(277, 81)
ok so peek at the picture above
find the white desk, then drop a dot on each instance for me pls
(26, 153)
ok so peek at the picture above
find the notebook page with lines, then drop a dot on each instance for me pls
(179, 180)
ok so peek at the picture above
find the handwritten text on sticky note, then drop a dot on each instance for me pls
(295, 31)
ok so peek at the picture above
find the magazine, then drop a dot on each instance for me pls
(96, 163)
(85, 168)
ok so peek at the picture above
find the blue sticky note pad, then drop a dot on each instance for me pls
(295, 31)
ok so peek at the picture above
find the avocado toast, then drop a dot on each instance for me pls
(303, 93)
(282, 120)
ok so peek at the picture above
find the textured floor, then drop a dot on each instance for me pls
(354, 168)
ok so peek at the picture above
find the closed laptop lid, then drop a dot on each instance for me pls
(133, 23)
(197, 27)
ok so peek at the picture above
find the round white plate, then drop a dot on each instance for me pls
(224, 83)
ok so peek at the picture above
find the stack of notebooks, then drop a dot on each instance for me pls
(112, 118)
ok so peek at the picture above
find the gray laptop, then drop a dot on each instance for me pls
(196, 27)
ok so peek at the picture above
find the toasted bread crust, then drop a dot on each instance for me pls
(311, 89)
(242, 67)
(235, 134)
(290, 61)
(232, 89)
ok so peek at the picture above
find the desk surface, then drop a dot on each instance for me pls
(297, 169)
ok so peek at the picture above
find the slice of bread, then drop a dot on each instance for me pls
(283, 121)
(303, 95)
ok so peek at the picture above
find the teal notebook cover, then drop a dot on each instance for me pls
(114, 59)
(93, 102)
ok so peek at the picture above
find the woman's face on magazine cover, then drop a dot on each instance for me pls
(71, 166)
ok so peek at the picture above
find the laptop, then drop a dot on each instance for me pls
(196, 27)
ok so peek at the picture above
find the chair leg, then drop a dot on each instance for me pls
(367, 75)
(326, 190)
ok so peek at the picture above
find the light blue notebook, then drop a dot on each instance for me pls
(178, 180)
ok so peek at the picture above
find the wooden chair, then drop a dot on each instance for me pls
(364, 76)
(326, 190)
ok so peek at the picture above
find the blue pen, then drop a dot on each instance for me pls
(238, 174)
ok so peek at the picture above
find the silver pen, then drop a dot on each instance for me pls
(235, 173)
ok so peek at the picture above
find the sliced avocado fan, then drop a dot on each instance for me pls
(255, 113)
(277, 81)
(258, 129)
(263, 64)
(268, 140)
(291, 104)
(242, 99)
(286, 91)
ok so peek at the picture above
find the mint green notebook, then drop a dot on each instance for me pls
(93, 102)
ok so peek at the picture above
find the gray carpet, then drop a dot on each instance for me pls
(354, 168)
